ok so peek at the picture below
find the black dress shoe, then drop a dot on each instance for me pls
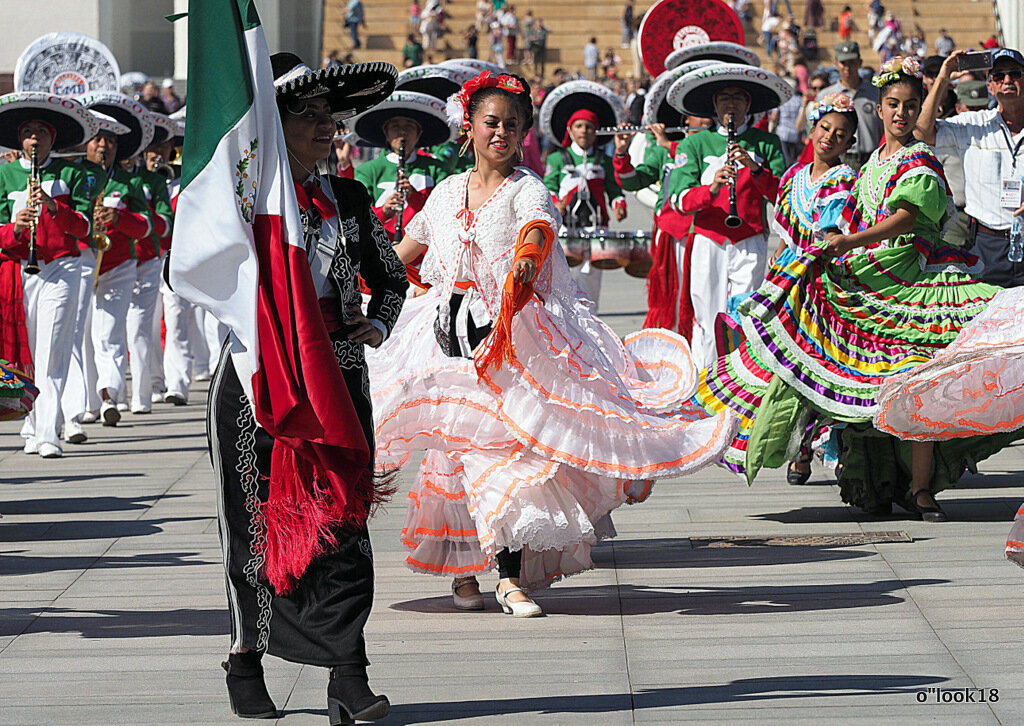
(797, 477)
(349, 698)
(246, 690)
(925, 506)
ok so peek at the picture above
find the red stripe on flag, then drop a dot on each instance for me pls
(320, 475)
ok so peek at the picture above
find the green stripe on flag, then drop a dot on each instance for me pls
(220, 88)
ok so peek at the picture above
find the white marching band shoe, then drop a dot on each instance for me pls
(525, 609)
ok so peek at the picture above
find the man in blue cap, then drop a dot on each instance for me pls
(991, 143)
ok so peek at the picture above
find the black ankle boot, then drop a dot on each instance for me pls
(246, 690)
(349, 697)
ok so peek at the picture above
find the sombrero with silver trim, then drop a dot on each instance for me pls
(348, 89)
(694, 93)
(427, 111)
(656, 109)
(436, 80)
(108, 124)
(568, 98)
(126, 111)
(165, 128)
(719, 50)
(669, 25)
(71, 122)
(474, 64)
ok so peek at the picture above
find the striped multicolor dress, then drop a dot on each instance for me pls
(739, 380)
(830, 332)
(16, 392)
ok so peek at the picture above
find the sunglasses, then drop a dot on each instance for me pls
(999, 76)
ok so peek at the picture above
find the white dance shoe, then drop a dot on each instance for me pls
(50, 451)
(525, 609)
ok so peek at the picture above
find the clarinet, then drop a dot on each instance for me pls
(32, 265)
(399, 173)
(733, 219)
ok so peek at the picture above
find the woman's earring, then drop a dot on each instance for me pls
(465, 145)
(519, 151)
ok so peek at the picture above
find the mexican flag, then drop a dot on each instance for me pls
(237, 252)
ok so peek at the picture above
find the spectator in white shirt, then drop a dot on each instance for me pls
(944, 45)
(591, 58)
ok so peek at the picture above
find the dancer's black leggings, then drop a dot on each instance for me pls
(509, 563)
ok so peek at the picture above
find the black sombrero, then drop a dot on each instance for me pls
(437, 81)
(427, 111)
(568, 98)
(694, 93)
(656, 107)
(348, 89)
(71, 122)
(125, 111)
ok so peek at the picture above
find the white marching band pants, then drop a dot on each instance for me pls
(719, 272)
(80, 390)
(141, 309)
(156, 351)
(178, 318)
(109, 327)
(50, 315)
(209, 336)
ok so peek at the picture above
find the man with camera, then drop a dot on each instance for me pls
(991, 144)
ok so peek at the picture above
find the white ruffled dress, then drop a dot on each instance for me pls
(535, 454)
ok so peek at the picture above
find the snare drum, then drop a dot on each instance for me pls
(608, 251)
(640, 260)
(575, 244)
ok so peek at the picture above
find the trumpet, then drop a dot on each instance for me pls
(399, 173)
(100, 240)
(164, 169)
(733, 219)
(32, 265)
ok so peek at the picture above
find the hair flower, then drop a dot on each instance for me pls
(894, 67)
(832, 103)
(457, 107)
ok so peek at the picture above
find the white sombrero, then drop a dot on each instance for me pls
(568, 98)
(126, 111)
(71, 122)
(656, 109)
(165, 128)
(719, 50)
(436, 80)
(475, 64)
(108, 124)
(348, 89)
(694, 93)
(427, 111)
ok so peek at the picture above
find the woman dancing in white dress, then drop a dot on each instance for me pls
(536, 418)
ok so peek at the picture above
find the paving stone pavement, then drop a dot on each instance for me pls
(112, 607)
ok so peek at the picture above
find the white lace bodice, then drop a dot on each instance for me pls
(487, 247)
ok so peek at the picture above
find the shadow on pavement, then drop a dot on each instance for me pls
(14, 563)
(67, 479)
(678, 553)
(86, 529)
(75, 505)
(610, 600)
(114, 623)
(740, 691)
(975, 509)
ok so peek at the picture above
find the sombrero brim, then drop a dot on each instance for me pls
(164, 128)
(425, 110)
(656, 108)
(70, 121)
(437, 81)
(721, 51)
(475, 65)
(694, 93)
(348, 89)
(568, 98)
(108, 124)
(128, 112)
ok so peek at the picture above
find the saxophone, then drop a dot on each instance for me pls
(100, 240)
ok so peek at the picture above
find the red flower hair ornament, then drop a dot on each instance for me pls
(457, 107)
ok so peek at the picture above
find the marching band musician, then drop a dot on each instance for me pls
(420, 121)
(124, 217)
(81, 401)
(144, 310)
(732, 258)
(579, 175)
(43, 217)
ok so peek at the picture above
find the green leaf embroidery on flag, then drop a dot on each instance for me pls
(245, 189)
